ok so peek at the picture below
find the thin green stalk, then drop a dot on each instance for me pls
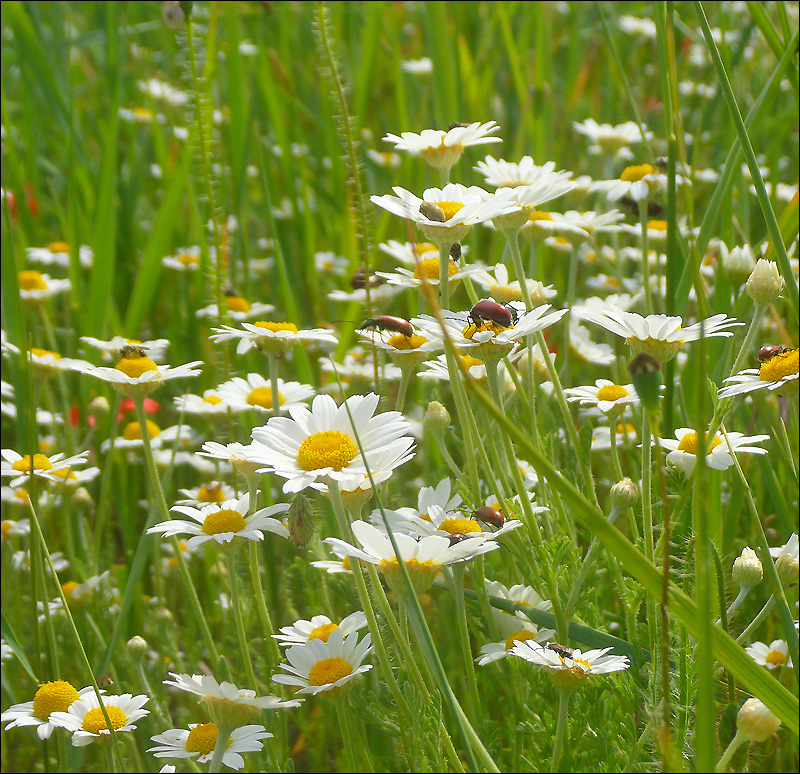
(757, 621)
(648, 290)
(244, 645)
(444, 275)
(561, 725)
(738, 740)
(457, 584)
(406, 372)
(223, 734)
(351, 760)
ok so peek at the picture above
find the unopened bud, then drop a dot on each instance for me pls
(302, 521)
(98, 407)
(164, 615)
(624, 494)
(436, 419)
(82, 497)
(137, 646)
(747, 570)
(172, 14)
(738, 264)
(786, 563)
(765, 283)
(756, 721)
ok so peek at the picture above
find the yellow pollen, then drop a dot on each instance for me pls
(429, 268)
(211, 494)
(133, 431)
(776, 658)
(486, 325)
(134, 367)
(328, 671)
(449, 208)
(262, 396)
(31, 280)
(625, 429)
(520, 636)
(469, 361)
(55, 696)
(406, 343)
(460, 526)
(212, 399)
(94, 722)
(66, 474)
(657, 225)
(779, 366)
(611, 392)
(322, 632)
(688, 443)
(412, 565)
(581, 661)
(424, 247)
(534, 216)
(276, 326)
(328, 449)
(202, 739)
(187, 259)
(225, 520)
(237, 304)
(40, 462)
(58, 247)
(44, 353)
(346, 563)
(562, 240)
(636, 173)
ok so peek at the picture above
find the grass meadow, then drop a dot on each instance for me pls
(399, 386)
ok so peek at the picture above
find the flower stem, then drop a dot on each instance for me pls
(444, 276)
(230, 560)
(735, 744)
(223, 734)
(648, 291)
(463, 631)
(561, 724)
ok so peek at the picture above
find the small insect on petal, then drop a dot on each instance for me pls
(386, 322)
(561, 650)
(489, 516)
(432, 212)
(769, 351)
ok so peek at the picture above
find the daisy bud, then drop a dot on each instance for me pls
(98, 407)
(645, 373)
(82, 497)
(302, 521)
(437, 418)
(756, 722)
(137, 646)
(747, 571)
(787, 566)
(624, 494)
(738, 264)
(765, 283)
(172, 14)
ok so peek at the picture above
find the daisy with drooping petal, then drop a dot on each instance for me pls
(78, 595)
(270, 336)
(657, 334)
(55, 696)
(318, 445)
(42, 466)
(320, 627)
(58, 253)
(771, 656)
(255, 393)
(199, 741)
(223, 522)
(570, 664)
(496, 282)
(610, 398)
(443, 149)
(318, 666)
(84, 718)
(35, 287)
(155, 349)
(683, 451)
(778, 373)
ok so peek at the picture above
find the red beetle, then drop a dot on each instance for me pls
(504, 316)
(386, 322)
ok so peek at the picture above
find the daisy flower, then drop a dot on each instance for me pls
(270, 336)
(505, 174)
(6, 652)
(9, 529)
(570, 664)
(136, 375)
(403, 350)
(319, 445)
(54, 696)
(423, 66)
(637, 182)
(85, 720)
(57, 253)
(156, 349)
(384, 158)
(777, 373)
(157, 89)
(320, 627)
(225, 701)
(495, 282)
(45, 363)
(427, 271)
(357, 366)
(445, 215)
(199, 741)
(593, 223)
(131, 436)
(601, 436)
(223, 522)
(423, 558)
(318, 666)
(494, 651)
(184, 259)
(683, 451)
(437, 521)
(508, 623)
(607, 138)
(209, 404)
(330, 263)
(580, 343)
(610, 398)
(35, 287)
(42, 466)
(657, 334)
(771, 656)
(443, 149)
(21, 560)
(255, 393)
(643, 28)
(78, 595)
(212, 492)
(411, 253)
(237, 308)
(787, 562)
(237, 454)
(543, 225)
(359, 295)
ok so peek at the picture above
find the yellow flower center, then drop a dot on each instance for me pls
(68, 588)
(627, 428)
(636, 173)
(22, 494)
(611, 392)
(469, 362)
(424, 247)
(237, 304)
(657, 225)
(460, 526)
(688, 443)
(40, 462)
(44, 353)
(520, 636)
(187, 259)
(449, 208)
(141, 112)
(776, 658)
(429, 268)
(94, 722)
(406, 343)
(276, 326)
(225, 520)
(211, 493)
(30, 279)
(779, 366)
(55, 696)
(322, 632)
(262, 396)
(534, 216)
(202, 739)
(562, 240)
(329, 670)
(134, 367)
(6, 527)
(212, 399)
(133, 431)
(328, 449)
(58, 247)
(486, 325)
(66, 474)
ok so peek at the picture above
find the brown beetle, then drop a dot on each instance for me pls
(489, 516)
(768, 351)
(504, 316)
(386, 322)
(359, 281)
